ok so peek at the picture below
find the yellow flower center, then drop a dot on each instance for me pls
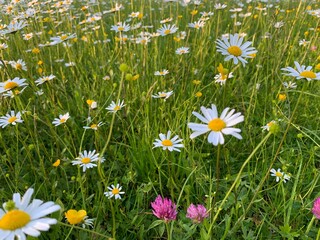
(235, 51)
(120, 28)
(162, 95)
(74, 216)
(86, 160)
(63, 120)
(10, 85)
(63, 37)
(167, 143)
(116, 108)
(308, 74)
(216, 124)
(279, 174)
(94, 126)
(115, 191)
(167, 31)
(18, 66)
(12, 119)
(161, 73)
(14, 219)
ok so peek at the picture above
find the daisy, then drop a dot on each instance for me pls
(161, 73)
(269, 125)
(279, 175)
(62, 38)
(20, 217)
(223, 75)
(115, 107)
(114, 191)
(197, 25)
(219, 6)
(94, 126)
(217, 126)
(166, 143)
(18, 65)
(303, 72)
(167, 29)
(182, 50)
(120, 27)
(234, 49)
(164, 95)
(13, 27)
(289, 85)
(44, 79)
(12, 84)
(12, 118)
(88, 159)
(3, 46)
(27, 36)
(62, 119)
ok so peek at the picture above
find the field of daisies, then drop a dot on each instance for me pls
(159, 119)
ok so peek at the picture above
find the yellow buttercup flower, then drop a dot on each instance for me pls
(75, 217)
(56, 163)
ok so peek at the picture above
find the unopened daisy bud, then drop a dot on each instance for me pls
(129, 76)
(124, 67)
(299, 135)
(274, 128)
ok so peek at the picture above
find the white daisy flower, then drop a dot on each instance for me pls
(164, 95)
(197, 25)
(161, 73)
(219, 6)
(114, 191)
(20, 217)
(269, 124)
(60, 39)
(222, 78)
(94, 126)
(120, 27)
(11, 84)
(289, 85)
(44, 79)
(301, 72)
(12, 118)
(166, 143)
(88, 159)
(235, 49)
(182, 50)
(167, 29)
(217, 126)
(18, 65)
(279, 175)
(115, 107)
(62, 119)
(14, 27)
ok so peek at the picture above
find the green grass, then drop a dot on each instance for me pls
(249, 203)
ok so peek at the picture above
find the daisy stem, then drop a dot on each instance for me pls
(113, 220)
(217, 173)
(113, 118)
(237, 180)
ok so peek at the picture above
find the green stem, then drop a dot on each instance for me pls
(318, 235)
(113, 220)
(217, 173)
(168, 231)
(236, 180)
(84, 229)
(69, 232)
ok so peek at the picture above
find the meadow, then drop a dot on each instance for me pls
(159, 119)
